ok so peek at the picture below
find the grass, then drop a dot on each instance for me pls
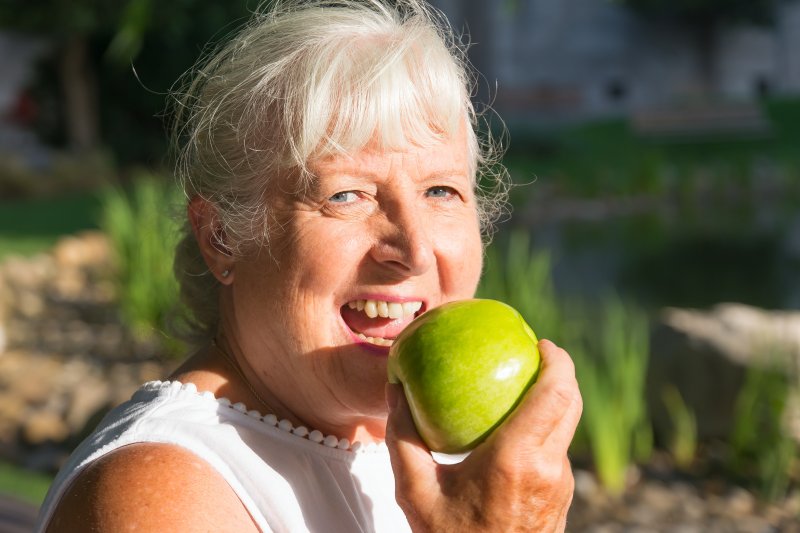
(605, 158)
(30, 487)
(28, 227)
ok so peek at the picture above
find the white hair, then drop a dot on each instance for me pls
(308, 79)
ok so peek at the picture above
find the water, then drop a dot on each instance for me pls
(671, 254)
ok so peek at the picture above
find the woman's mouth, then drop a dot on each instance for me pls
(379, 322)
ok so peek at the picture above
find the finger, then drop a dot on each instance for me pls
(553, 405)
(413, 466)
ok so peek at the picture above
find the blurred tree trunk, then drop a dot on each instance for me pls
(78, 83)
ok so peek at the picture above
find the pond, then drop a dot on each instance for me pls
(661, 253)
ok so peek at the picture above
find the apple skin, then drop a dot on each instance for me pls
(464, 366)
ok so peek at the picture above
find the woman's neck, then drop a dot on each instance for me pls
(213, 372)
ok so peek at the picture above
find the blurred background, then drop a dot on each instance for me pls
(655, 150)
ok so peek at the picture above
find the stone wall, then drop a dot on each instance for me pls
(706, 354)
(65, 355)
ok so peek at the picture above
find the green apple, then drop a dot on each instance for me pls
(464, 366)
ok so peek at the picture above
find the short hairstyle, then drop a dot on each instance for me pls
(306, 79)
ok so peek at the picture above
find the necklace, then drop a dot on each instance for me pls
(233, 364)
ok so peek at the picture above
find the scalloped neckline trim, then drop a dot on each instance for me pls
(300, 432)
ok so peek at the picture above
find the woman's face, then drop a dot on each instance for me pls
(377, 239)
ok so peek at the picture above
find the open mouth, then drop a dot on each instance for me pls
(378, 322)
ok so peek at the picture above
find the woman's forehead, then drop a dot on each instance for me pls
(450, 155)
(420, 164)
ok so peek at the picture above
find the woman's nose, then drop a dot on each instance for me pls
(405, 245)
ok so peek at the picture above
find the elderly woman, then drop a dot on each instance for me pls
(330, 160)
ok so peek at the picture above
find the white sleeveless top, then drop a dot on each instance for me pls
(287, 478)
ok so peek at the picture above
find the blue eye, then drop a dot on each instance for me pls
(440, 192)
(344, 197)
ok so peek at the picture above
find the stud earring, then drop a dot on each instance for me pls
(226, 273)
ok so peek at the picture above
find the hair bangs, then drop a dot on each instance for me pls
(405, 91)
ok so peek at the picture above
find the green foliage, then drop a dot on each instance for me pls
(609, 347)
(28, 227)
(125, 53)
(521, 279)
(761, 446)
(143, 234)
(28, 486)
(611, 354)
(606, 158)
(59, 18)
(683, 440)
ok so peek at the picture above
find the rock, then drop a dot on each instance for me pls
(585, 484)
(44, 426)
(87, 250)
(706, 354)
(28, 273)
(70, 284)
(29, 304)
(739, 502)
(84, 404)
(67, 356)
(743, 334)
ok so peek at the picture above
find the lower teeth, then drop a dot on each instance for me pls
(376, 340)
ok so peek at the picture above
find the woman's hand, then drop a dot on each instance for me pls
(519, 479)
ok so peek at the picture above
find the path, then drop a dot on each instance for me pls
(16, 516)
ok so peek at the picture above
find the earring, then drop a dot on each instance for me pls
(226, 273)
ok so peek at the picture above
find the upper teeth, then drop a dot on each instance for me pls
(378, 308)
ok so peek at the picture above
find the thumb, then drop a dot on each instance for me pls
(414, 468)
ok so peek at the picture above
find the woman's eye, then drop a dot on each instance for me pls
(440, 192)
(345, 197)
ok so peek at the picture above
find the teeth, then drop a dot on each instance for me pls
(409, 308)
(383, 309)
(376, 340)
(393, 310)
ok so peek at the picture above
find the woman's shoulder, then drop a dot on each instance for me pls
(156, 487)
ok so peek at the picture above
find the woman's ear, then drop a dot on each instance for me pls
(210, 236)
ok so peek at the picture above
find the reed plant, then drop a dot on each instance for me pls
(683, 440)
(143, 231)
(763, 446)
(611, 358)
(520, 277)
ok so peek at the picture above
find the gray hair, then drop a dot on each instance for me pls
(308, 79)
